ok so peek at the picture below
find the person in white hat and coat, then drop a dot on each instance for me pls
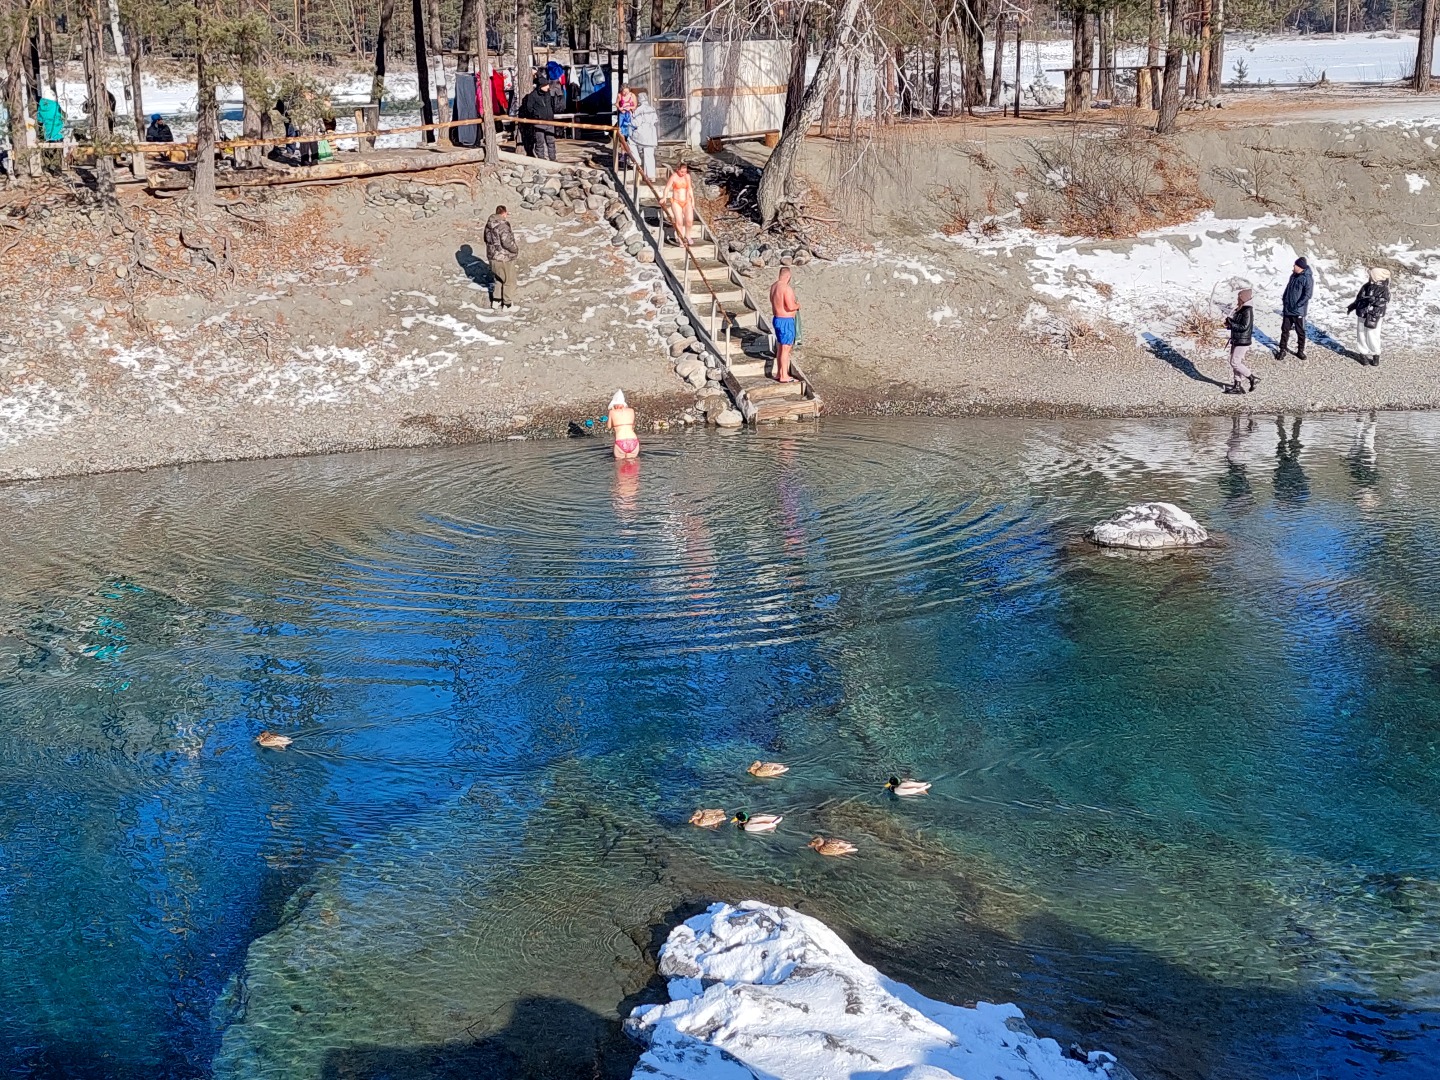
(1369, 307)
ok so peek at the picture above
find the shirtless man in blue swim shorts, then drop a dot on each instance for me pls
(784, 307)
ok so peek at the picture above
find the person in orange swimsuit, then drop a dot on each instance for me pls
(679, 200)
(621, 420)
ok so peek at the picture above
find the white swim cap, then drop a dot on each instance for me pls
(618, 400)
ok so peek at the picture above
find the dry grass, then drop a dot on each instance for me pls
(1115, 184)
(1197, 321)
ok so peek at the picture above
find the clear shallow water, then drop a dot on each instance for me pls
(1185, 808)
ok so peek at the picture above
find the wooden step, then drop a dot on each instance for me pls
(701, 297)
(745, 316)
(766, 389)
(715, 270)
(748, 369)
(787, 409)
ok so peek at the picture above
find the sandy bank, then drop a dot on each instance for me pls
(356, 317)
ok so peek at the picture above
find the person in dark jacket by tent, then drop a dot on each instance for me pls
(1241, 324)
(537, 106)
(1293, 306)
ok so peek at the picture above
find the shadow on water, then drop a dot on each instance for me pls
(1161, 349)
(476, 268)
(545, 1038)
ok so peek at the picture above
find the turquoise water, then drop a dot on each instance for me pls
(1185, 808)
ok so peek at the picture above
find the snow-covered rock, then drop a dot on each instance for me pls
(762, 991)
(1150, 525)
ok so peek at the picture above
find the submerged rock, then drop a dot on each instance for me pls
(758, 990)
(1150, 525)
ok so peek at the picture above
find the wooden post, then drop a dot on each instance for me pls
(137, 104)
(94, 59)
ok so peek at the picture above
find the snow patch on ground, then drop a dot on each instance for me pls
(762, 991)
(1416, 182)
(33, 408)
(1154, 283)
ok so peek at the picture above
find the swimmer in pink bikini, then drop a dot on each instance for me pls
(621, 420)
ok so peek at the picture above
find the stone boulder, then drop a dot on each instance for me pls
(1150, 526)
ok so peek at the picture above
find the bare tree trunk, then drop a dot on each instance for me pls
(466, 59)
(422, 68)
(524, 50)
(1425, 51)
(831, 112)
(482, 73)
(795, 85)
(1147, 87)
(775, 180)
(974, 39)
(1217, 48)
(18, 15)
(1174, 64)
(100, 126)
(854, 98)
(115, 35)
(937, 59)
(203, 187)
(437, 54)
(137, 102)
(906, 91)
(382, 39)
(1082, 48)
(1106, 23)
(997, 69)
(657, 16)
(1202, 55)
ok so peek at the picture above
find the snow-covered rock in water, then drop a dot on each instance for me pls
(761, 991)
(1149, 525)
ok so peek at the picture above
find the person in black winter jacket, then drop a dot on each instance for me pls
(538, 106)
(1369, 307)
(1241, 324)
(1293, 306)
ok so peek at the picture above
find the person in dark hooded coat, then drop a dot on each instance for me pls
(1293, 306)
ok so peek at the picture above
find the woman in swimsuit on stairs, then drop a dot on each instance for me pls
(621, 420)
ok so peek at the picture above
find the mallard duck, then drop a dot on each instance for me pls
(831, 845)
(758, 823)
(906, 788)
(768, 770)
(272, 741)
(708, 819)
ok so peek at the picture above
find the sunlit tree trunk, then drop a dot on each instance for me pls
(17, 13)
(93, 58)
(795, 85)
(1217, 48)
(382, 42)
(437, 57)
(1174, 64)
(1425, 51)
(203, 187)
(997, 69)
(1147, 86)
(482, 73)
(775, 180)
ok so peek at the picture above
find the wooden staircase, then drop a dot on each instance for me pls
(735, 331)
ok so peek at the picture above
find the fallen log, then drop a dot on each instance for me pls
(420, 161)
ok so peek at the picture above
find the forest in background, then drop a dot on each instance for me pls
(268, 49)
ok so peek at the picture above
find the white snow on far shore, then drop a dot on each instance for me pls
(762, 991)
